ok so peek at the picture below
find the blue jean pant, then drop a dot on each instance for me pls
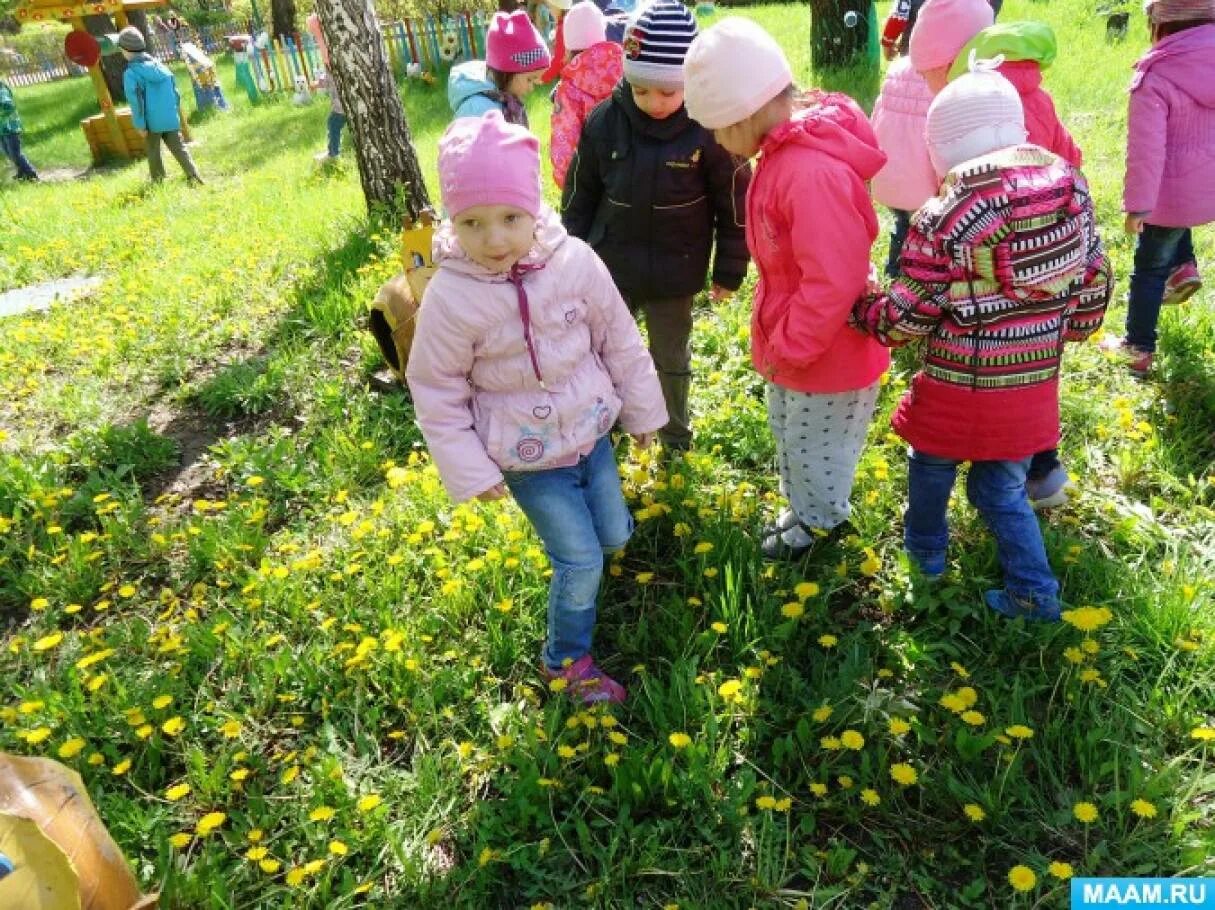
(1158, 251)
(334, 124)
(11, 144)
(997, 490)
(898, 235)
(579, 513)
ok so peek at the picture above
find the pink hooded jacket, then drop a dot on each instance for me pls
(481, 406)
(1041, 121)
(810, 224)
(1170, 152)
(585, 81)
(900, 117)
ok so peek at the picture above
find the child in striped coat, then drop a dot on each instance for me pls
(998, 271)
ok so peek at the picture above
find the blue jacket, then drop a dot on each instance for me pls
(471, 94)
(152, 94)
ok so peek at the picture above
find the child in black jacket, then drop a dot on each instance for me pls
(651, 191)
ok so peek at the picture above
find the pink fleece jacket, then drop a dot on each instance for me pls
(810, 224)
(900, 116)
(476, 395)
(1170, 152)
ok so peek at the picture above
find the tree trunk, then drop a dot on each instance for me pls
(839, 32)
(282, 17)
(383, 146)
(113, 66)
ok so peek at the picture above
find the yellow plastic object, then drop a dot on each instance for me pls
(42, 878)
(49, 829)
(416, 254)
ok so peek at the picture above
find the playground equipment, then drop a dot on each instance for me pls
(394, 311)
(55, 853)
(207, 92)
(110, 131)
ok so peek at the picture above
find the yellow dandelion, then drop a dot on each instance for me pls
(1088, 619)
(822, 713)
(173, 726)
(180, 839)
(719, 628)
(230, 729)
(870, 797)
(828, 640)
(851, 739)
(368, 802)
(1143, 808)
(1060, 870)
(162, 701)
(898, 726)
(1019, 731)
(765, 802)
(818, 789)
(1085, 812)
(974, 812)
(830, 743)
(72, 747)
(121, 768)
(679, 740)
(173, 794)
(295, 877)
(729, 689)
(792, 610)
(974, 718)
(269, 866)
(126, 591)
(209, 823)
(953, 702)
(322, 813)
(903, 774)
(1203, 733)
(1022, 878)
(47, 642)
(337, 848)
(703, 547)
(805, 589)
(253, 854)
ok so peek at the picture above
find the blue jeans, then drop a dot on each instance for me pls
(898, 235)
(580, 514)
(1158, 251)
(11, 144)
(335, 123)
(997, 490)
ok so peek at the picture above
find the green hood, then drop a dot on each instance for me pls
(1015, 40)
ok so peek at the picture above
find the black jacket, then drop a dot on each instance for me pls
(648, 195)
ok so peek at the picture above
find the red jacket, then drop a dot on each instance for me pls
(810, 224)
(586, 80)
(1041, 121)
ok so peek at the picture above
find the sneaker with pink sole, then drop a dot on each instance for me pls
(1182, 284)
(586, 683)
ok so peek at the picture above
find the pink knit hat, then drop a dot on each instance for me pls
(943, 28)
(977, 113)
(731, 71)
(583, 26)
(1162, 11)
(487, 161)
(513, 45)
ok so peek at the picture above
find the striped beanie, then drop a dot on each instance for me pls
(1162, 11)
(655, 43)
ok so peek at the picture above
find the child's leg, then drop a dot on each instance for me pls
(182, 154)
(898, 234)
(155, 165)
(334, 124)
(930, 480)
(12, 148)
(668, 322)
(997, 490)
(1155, 256)
(556, 502)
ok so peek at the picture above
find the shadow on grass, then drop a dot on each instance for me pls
(1188, 386)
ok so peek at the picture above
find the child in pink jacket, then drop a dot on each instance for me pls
(595, 66)
(810, 226)
(525, 356)
(1170, 166)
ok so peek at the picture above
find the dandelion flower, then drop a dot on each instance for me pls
(269, 866)
(1143, 808)
(1019, 731)
(870, 797)
(680, 740)
(322, 813)
(173, 726)
(765, 802)
(337, 848)
(180, 839)
(173, 794)
(162, 701)
(368, 802)
(72, 747)
(1085, 812)
(805, 590)
(783, 805)
(828, 641)
(121, 768)
(1022, 878)
(974, 718)
(953, 702)
(1088, 619)
(209, 823)
(851, 739)
(719, 628)
(903, 774)
(1062, 871)
(898, 726)
(974, 812)
(230, 730)
(818, 789)
(1203, 733)
(822, 713)
(792, 610)
(730, 689)
(47, 642)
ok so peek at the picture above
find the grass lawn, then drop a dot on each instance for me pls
(230, 582)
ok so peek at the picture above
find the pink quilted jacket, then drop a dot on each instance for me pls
(900, 116)
(478, 400)
(585, 81)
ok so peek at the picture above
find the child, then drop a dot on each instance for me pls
(998, 271)
(336, 120)
(651, 190)
(594, 67)
(896, 33)
(154, 101)
(940, 48)
(515, 56)
(10, 134)
(1170, 166)
(523, 359)
(810, 225)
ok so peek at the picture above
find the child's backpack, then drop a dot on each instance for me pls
(394, 311)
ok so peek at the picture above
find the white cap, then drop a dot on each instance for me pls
(731, 71)
(583, 26)
(977, 113)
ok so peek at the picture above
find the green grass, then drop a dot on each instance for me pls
(202, 495)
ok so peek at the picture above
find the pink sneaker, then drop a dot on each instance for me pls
(1183, 283)
(1137, 360)
(587, 683)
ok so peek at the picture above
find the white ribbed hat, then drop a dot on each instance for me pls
(731, 71)
(583, 26)
(977, 113)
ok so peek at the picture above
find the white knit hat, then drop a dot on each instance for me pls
(731, 71)
(583, 26)
(977, 113)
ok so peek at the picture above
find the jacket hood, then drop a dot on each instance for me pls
(150, 71)
(1184, 59)
(1015, 41)
(448, 254)
(832, 123)
(597, 69)
(662, 130)
(466, 80)
(1025, 75)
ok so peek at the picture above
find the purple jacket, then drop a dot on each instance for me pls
(1170, 153)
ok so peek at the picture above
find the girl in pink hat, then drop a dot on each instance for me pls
(525, 356)
(1170, 166)
(515, 58)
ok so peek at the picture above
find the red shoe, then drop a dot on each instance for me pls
(1137, 360)
(1183, 283)
(587, 683)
